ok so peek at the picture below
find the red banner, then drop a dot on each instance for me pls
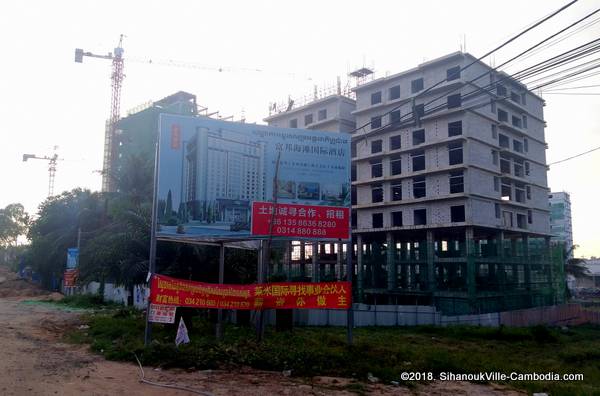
(301, 221)
(165, 290)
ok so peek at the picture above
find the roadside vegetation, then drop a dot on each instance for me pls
(384, 352)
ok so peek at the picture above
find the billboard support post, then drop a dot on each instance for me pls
(349, 273)
(266, 248)
(261, 279)
(152, 257)
(221, 281)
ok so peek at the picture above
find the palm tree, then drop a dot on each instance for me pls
(575, 266)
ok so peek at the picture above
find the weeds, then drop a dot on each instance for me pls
(385, 352)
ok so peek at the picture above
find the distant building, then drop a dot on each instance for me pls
(137, 133)
(332, 113)
(560, 218)
(593, 281)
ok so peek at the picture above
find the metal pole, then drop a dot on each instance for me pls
(265, 255)
(349, 273)
(221, 281)
(152, 258)
(261, 279)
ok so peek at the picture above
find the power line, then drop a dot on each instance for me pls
(579, 87)
(572, 93)
(575, 156)
(560, 39)
(488, 54)
(553, 62)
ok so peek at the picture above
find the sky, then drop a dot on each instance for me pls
(47, 100)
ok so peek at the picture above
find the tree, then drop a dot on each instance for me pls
(56, 228)
(575, 266)
(14, 222)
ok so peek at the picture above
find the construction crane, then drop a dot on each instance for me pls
(110, 147)
(51, 167)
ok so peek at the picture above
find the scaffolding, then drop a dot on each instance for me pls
(456, 275)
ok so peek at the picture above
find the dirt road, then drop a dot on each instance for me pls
(36, 362)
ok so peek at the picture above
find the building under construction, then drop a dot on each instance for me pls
(450, 191)
(136, 134)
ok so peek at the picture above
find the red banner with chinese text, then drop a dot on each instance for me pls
(301, 221)
(165, 290)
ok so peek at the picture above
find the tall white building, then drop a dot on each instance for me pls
(560, 218)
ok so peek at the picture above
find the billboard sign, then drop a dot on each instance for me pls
(216, 181)
(72, 258)
(70, 277)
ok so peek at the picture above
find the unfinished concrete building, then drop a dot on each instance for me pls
(451, 190)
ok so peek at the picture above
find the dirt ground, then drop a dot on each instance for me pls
(36, 362)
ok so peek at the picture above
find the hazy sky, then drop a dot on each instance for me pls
(46, 99)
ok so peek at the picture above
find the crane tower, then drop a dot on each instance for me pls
(51, 167)
(110, 141)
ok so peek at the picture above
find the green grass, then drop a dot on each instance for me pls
(385, 352)
(77, 303)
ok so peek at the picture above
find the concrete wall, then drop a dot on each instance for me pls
(414, 315)
(119, 294)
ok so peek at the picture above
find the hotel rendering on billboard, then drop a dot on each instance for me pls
(216, 180)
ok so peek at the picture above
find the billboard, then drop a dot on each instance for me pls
(72, 258)
(216, 181)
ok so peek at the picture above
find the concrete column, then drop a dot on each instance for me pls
(315, 263)
(360, 269)
(287, 259)
(549, 259)
(392, 280)
(431, 281)
(333, 265)
(501, 275)
(526, 262)
(471, 270)
(302, 259)
(339, 273)
(404, 266)
(513, 255)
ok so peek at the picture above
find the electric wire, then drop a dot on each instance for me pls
(573, 93)
(574, 156)
(570, 55)
(482, 57)
(579, 87)
(478, 91)
(554, 61)
(560, 39)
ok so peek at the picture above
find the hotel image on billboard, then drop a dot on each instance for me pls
(215, 181)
